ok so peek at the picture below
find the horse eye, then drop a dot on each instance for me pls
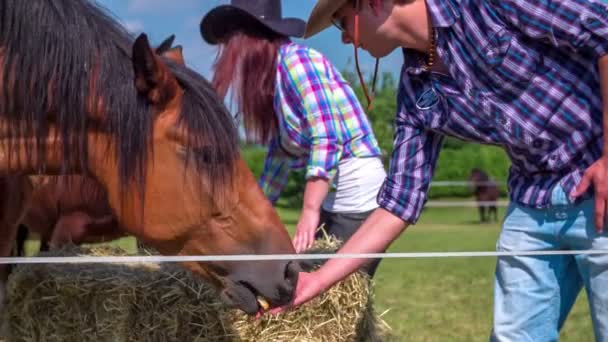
(182, 151)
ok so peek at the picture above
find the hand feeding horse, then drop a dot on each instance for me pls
(486, 193)
(79, 96)
(74, 209)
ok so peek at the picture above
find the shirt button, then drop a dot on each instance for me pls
(538, 144)
(591, 21)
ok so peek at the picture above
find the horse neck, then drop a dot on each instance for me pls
(251, 199)
(254, 209)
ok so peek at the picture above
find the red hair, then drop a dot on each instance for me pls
(246, 64)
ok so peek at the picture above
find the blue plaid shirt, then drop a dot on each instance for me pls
(523, 74)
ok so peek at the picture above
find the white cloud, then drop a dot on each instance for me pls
(134, 26)
(161, 6)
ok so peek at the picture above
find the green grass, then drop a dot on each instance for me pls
(441, 299)
(447, 299)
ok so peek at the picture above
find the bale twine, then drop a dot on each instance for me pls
(163, 302)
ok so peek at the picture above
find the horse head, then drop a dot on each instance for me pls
(477, 178)
(200, 196)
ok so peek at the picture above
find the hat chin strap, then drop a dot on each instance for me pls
(370, 98)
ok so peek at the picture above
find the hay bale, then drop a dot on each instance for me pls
(162, 302)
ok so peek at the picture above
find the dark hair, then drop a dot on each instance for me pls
(246, 64)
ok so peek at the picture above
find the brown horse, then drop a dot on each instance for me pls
(78, 96)
(486, 193)
(74, 209)
(68, 209)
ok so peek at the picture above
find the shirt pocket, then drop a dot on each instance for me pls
(506, 65)
(525, 131)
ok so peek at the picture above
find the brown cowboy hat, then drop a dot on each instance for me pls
(223, 20)
(321, 15)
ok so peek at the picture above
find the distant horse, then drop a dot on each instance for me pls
(486, 193)
(79, 96)
(74, 209)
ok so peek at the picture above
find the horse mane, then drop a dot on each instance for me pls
(59, 57)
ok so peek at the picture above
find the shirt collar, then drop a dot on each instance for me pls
(443, 13)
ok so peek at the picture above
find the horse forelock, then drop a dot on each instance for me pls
(85, 54)
(212, 139)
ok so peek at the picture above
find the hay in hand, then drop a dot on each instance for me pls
(163, 302)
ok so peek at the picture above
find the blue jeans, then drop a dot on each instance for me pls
(534, 294)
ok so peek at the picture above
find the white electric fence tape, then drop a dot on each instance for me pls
(464, 183)
(461, 204)
(242, 257)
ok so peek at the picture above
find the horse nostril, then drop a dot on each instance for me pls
(286, 294)
(292, 270)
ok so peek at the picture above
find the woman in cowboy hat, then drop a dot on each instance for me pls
(292, 98)
(530, 76)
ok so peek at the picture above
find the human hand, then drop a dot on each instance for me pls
(309, 287)
(596, 175)
(305, 230)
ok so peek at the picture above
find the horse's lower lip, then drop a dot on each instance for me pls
(263, 303)
(240, 296)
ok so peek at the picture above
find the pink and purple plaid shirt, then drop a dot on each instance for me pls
(320, 120)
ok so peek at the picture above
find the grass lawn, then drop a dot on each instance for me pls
(447, 299)
(441, 299)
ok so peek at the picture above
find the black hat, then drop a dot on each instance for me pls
(224, 19)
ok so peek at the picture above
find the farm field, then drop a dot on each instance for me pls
(442, 299)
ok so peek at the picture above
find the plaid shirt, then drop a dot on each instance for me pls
(320, 120)
(523, 75)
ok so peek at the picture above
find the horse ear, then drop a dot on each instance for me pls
(152, 78)
(167, 50)
(165, 45)
(175, 54)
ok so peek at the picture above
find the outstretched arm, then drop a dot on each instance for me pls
(375, 235)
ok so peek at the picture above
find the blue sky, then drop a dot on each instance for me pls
(161, 18)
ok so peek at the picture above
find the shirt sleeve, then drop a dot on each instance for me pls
(580, 25)
(313, 90)
(412, 165)
(276, 171)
